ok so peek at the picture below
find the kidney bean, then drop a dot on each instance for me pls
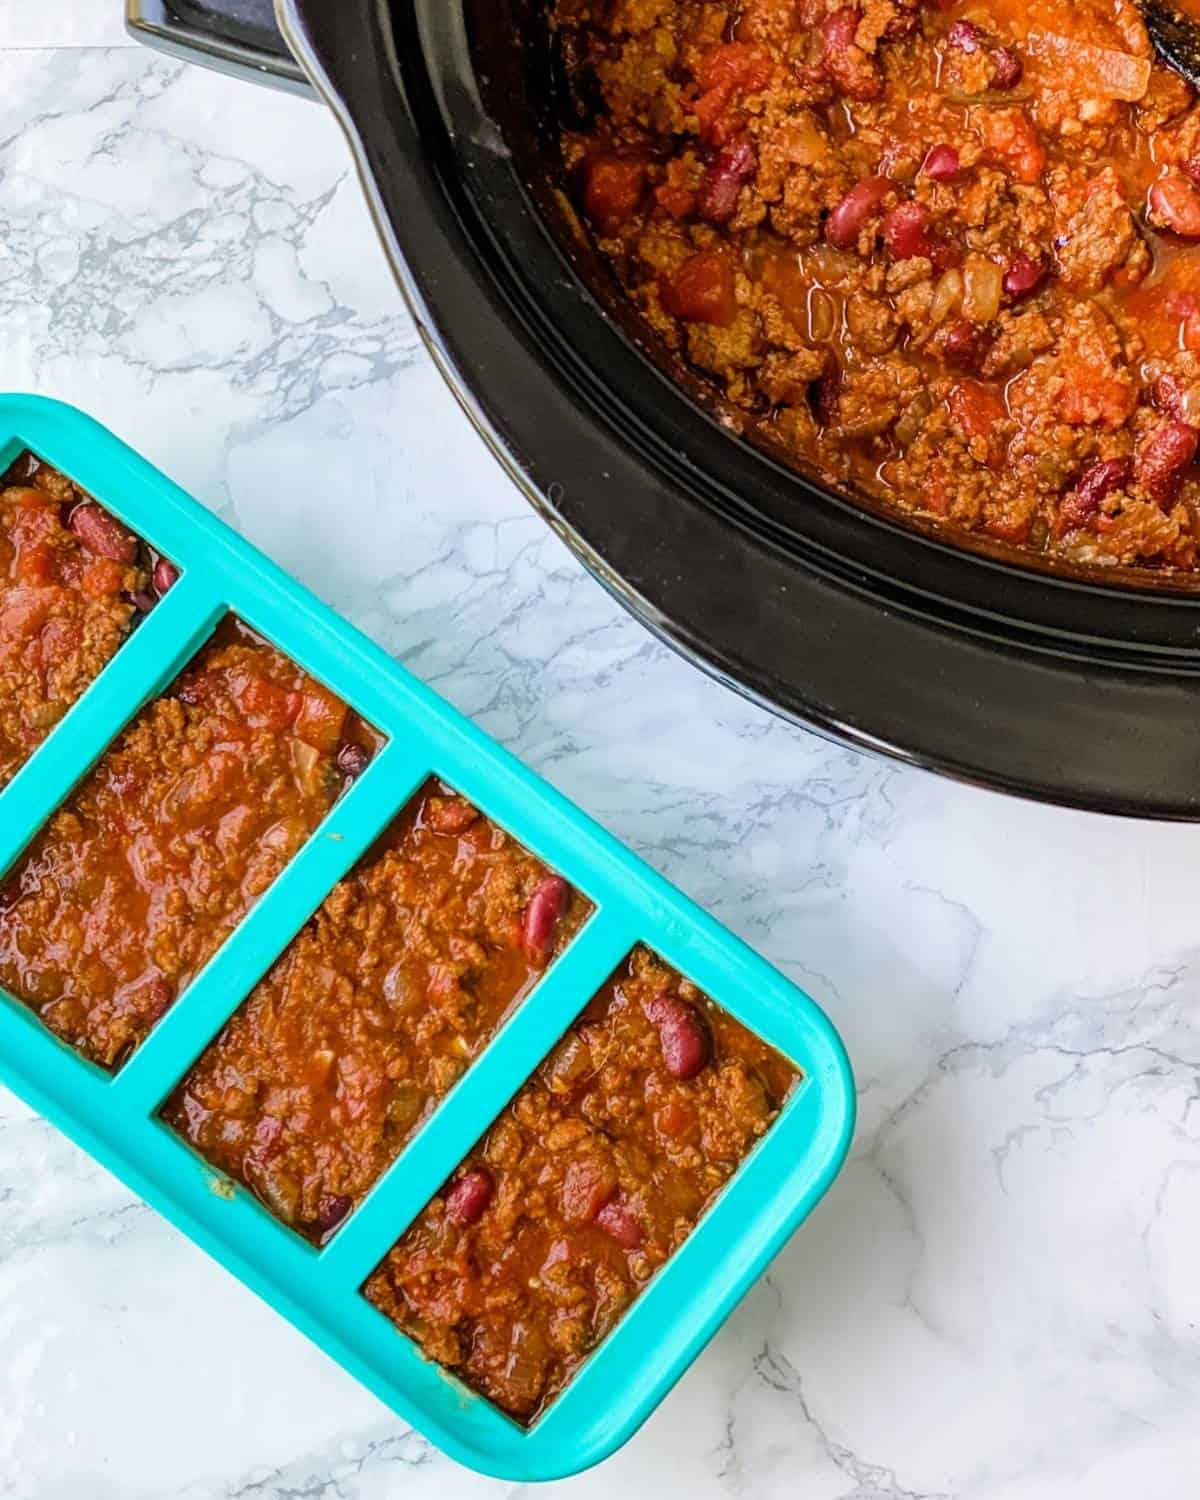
(542, 915)
(852, 71)
(1102, 479)
(682, 1035)
(166, 574)
(945, 255)
(965, 345)
(701, 290)
(965, 36)
(352, 760)
(470, 1195)
(943, 164)
(1082, 505)
(1007, 69)
(906, 233)
(619, 1224)
(1024, 275)
(1174, 204)
(734, 165)
(103, 534)
(1169, 397)
(1162, 460)
(825, 396)
(331, 1210)
(861, 204)
(144, 601)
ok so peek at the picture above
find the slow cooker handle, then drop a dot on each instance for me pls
(238, 37)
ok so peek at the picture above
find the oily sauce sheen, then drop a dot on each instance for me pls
(946, 251)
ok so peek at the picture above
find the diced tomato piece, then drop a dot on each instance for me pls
(1011, 142)
(722, 74)
(701, 290)
(976, 408)
(613, 189)
(103, 578)
(734, 65)
(588, 1184)
(321, 718)
(1009, 525)
(265, 703)
(1092, 396)
(36, 566)
(22, 618)
(28, 498)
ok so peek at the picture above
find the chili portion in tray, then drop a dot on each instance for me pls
(164, 847)
(374, 1011)
(591, 1178)
(942, 250)
(73, 582)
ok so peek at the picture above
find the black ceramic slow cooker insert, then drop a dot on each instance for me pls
(1071, 687)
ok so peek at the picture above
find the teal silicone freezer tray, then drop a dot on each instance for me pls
(115, 1116)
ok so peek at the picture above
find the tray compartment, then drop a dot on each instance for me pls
(373, 1013)
(161, 850)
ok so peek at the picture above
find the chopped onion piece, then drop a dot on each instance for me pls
(1095, 70)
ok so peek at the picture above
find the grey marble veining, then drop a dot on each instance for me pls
(1000, 1298)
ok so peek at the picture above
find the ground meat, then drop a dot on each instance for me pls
(155, 857)
(73, 582)
(375, 1011)
(903, 193)
(591, 1178)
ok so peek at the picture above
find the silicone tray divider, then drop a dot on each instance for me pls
(115, 1118)
(479, 1096)
(344, 836)
(162, 644)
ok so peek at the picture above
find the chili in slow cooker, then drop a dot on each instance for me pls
(585, 1185)
(946, 251)
(375, 1011)
(73, 582)
(163, 848)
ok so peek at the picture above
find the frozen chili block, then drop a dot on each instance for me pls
(586, 1184)
(73, 582)
(374, 1011)
(157, 855)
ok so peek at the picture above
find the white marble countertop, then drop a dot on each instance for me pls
(999, 1299)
